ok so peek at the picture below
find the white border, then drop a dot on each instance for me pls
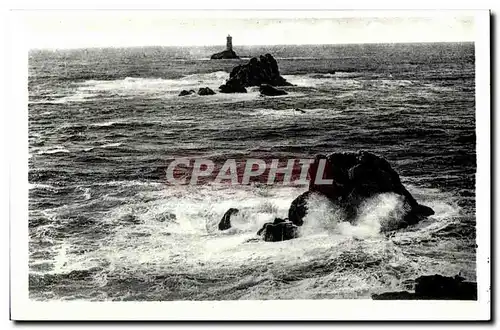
(24, 309)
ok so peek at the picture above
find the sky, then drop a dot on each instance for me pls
(79, 29)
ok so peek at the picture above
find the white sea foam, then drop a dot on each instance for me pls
(147, 87)
(315, 112)
(379, 213)
(86, 193)
(345, 81)
(104, 124)
(111, 145)
(190, 243)
(140, 86)
(320, 80)
(162, 88)
(52, 150)
(39, 186)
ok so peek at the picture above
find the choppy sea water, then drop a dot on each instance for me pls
(104, 123)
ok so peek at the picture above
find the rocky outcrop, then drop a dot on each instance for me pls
(298, 209)
(354, 178)
(279, 230)
(185, 92)
(435, 287)
(259, 70)
(225, 222)
(202, 91)
(205, 91)
(232, 87)
(226, 54)
(269, 90)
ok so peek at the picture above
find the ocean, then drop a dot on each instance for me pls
(104, 223)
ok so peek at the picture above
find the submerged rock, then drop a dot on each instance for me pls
(279, 230)
(259, 70)
(166, 217)
(130, 219)
(185, 92)
(205, 91)
(269, 90)
(354, 178)
(225, 222)
(434, 287)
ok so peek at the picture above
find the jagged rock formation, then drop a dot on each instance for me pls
(279, 230)
(259, 70)
(186, 92)
(205, 91)
(269, 90)
(356, 177)
(225, 222)
(435, 287)
(232, 87)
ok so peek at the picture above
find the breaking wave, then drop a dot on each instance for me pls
(175, 230)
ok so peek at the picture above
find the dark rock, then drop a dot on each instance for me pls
(396, 295)
(259, 70)
(185, 92)
(298, 209)
(232, 87)
(205, 91)
(279, 220)
(356, 177)
(435, 287)
(443, 287)
(166, 217)
(279, 230)
(300, 110)
(269, 90)
(225, 222)
(225, 54)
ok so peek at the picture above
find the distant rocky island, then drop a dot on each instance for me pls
(257, 72)
(229, 53)
(260, 71)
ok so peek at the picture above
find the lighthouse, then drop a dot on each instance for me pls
(228, 53)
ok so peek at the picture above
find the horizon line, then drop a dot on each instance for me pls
(255, 45)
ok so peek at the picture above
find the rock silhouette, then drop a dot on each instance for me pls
(279, 230)
(259, 70)
(225, 222)
(269, 90)
(354, 178)
(434, 287)
(225, 54)
(186, 92)
(232, 87)
(205, 91)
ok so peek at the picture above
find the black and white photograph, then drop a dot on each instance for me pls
(267, 157)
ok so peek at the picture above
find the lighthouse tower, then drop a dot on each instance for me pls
(228, 53)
